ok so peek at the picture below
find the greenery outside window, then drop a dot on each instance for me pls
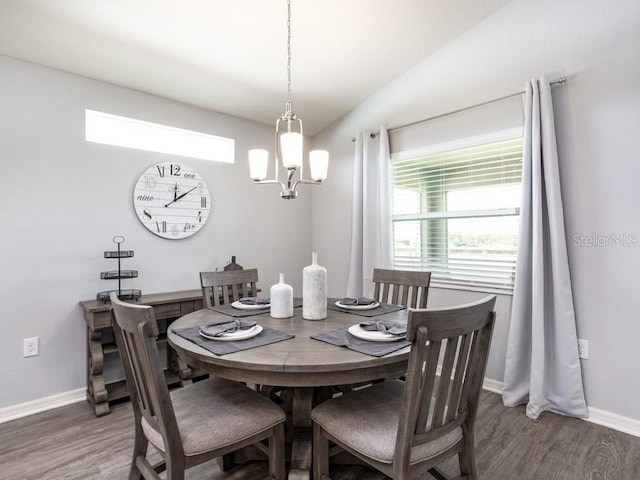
(455, 212)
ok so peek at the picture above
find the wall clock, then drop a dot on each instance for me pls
(171, 200)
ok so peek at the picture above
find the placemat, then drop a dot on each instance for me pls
(343, 338)
(239, 313)
(265, 337)
(374, 312)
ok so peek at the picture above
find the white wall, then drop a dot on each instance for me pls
(596, 44)
(63, 200)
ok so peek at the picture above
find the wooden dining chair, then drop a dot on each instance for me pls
(223, 287)
(192, 424)
(401, 287)
(404, 429)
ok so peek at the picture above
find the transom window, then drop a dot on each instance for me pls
(455, 212)
(153, 137)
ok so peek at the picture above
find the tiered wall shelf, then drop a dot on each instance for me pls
(129, 294)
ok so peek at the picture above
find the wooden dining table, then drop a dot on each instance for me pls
(301, 363)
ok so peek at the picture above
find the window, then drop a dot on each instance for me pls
(455, 212)
(153, 137)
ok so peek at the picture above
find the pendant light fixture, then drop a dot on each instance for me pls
(288, 146)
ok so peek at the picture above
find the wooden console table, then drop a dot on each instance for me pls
(100, 343)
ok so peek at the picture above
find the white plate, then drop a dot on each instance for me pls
(373, 336)
(358, 307)
(237, 335)
(242, 306)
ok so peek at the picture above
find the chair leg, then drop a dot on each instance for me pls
(467, 459)
(320, 454)
(276, 453)
(175, 468)
(140, 444)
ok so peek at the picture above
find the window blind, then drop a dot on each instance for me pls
(455, 213)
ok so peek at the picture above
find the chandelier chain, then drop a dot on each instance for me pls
(289, 50)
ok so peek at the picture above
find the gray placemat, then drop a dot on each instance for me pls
(342, 338)
(239, 313)
(374, 312)
(265, 337)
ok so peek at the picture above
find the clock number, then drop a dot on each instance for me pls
(200, 216)
(174, 230)
(161, 226)
(146, 213)
(203, 202)
(175, 170)
(149, 182)
(160, 170)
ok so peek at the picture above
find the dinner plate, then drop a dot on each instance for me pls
(357, 307)
(237, 335)
(243, 306)
(373, 336)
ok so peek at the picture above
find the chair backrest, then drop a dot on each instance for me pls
(401, 287)
(220, 288)
(458, 337)
(136, 330)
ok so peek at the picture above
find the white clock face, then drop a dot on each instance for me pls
(171, 200)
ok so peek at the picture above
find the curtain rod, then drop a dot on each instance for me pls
(559, 81)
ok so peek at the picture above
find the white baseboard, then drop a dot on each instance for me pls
(493, 386)
(597, 416)
(612, 420)
(47, 403)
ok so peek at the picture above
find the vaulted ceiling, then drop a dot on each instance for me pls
(230, 55)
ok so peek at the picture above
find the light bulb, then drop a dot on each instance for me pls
(318, 164)
(258, 163)
(291, 147)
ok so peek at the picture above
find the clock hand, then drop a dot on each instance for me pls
(180, 196)
(175, 192)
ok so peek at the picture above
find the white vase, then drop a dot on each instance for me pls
(314, 291)
(281, 297)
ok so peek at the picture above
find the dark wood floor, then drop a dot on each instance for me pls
(71, 444)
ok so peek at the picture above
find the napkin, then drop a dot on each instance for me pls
(217, 329)
(385, 326)
(357, 301)
(254, 301)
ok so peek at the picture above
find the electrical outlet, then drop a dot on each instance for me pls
(583, 348)
(30, 347)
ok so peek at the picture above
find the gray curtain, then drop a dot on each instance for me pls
(371, 212)
(542, 365)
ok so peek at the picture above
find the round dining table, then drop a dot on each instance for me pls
(301, 363)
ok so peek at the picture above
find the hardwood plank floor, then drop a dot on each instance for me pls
(70, 443)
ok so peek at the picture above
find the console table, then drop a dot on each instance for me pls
(100, 343)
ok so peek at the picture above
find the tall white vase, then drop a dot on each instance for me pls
(281, 296)
(314, 290)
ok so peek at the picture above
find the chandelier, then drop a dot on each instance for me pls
(288, 146)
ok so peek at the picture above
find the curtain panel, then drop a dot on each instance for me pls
(542, 364)
(371, 212)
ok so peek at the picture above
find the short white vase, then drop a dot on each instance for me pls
(281, 298)
(314, 291)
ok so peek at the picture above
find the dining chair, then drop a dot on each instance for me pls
(401, 287)
(223, 287)
(192, 424)
(404, 429)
